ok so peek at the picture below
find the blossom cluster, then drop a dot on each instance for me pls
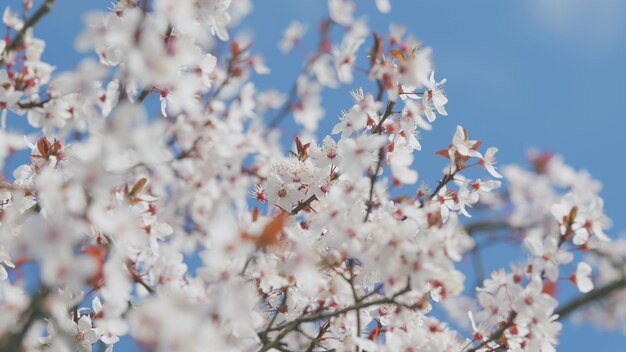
(158, 202)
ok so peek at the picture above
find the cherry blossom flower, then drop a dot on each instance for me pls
(383, 6)
(308, 111)
(488, 161)
(85, 335)
(215, 14)
(206, 69)
(325, 154)
(282, 194)
(581, 277)
(6, 261)
(8, 97)
(434, 97)
(345, 59)
(155, 229)
(12, 19)
(358, 154)
(341, 11)
(292, 34)
(400, 162)
(352, 121)
(416, 68)
(548, 255)
(463, 145)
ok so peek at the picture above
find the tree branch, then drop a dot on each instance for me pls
(444, 180)
(282, 305)
(355, 296)
(595, 295)
(496, 335)
(303, 205)
(31, 22)
(288, 327)
(278, 118)
(373, 177)
(33, 104)
(319, 336)
(381, 154)
(484, 226)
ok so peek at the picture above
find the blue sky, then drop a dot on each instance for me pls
(521, 74)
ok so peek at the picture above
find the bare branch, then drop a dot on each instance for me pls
(303, 205)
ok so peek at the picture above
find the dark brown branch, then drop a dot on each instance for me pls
(303, 205)
(33, 104)
(592, 296)
(444, 180)
(144, 94)
(31, 22)
(388, 111)
(485, 226)
(136, 276)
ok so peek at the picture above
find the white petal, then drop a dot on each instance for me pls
(383, 6)
(580, 237)
(583, 281)
(583, 269)
(163, 106)
(492, 171)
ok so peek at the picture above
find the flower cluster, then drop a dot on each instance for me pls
(159, 204)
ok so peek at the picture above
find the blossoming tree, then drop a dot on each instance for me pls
(324, 245)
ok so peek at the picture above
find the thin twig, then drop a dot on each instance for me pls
(388, 111)
(444, 180)
(293, 93)
(144, 94)
(282, 113)
(373, 177)
(379, 163)
(496, 335)
(319, 336)
(303, 205)
(288, 327)
(355, 296)
(263, 335)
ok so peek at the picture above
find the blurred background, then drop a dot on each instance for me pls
(544, 74)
